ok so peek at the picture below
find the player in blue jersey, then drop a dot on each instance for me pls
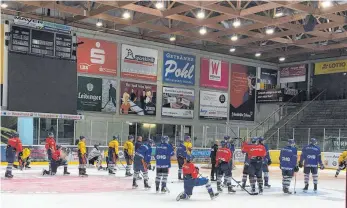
(288, 160)
(311, 156)
(163, 154)
(266, 162)
(181, 154)
(142, 162)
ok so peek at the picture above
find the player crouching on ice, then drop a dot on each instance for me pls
(342, 162)
(163, 154)
(95, 156)
(142, 162)
(23, 159)
(223, 162)
(192, 179)
(58, 159)
(288, 159)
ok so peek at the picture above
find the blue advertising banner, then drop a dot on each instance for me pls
(178, 68)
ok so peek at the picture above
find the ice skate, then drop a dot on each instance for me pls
(261, 191)
(231, 190)
(181, 196)
(134, 184)
(66, 172)
(219, 189)
(146, 184)
(8, 175)
(214, 195)
(110, 172)
(163, 190)
(315, 188)
(128, 174)
(286, 191)
(45, 172)
(305, 188)
(83, 173)
(157, 188)
(267, 185)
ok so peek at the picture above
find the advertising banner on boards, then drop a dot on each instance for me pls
(96, 57)
(330, 67)
(242, 92)
(293, 74)
(213, 105)
(137, 98)
(178, 68)
(214, 73)
(178, 102)
(139, 63)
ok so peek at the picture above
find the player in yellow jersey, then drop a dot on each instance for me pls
(23, 159)
(112, 154)
(82, 156)
(342, 162)
(188, 144)
(129, 154)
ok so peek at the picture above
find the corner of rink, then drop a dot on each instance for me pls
(30, 189)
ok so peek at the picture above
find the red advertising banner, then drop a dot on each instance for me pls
(96, 57)
(214, 73)
(293, 74)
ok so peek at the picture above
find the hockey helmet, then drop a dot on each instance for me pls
(82, 137)
(150, 142)
(50, 134)
(254, 140)
(187, 138)
(313, 141)
(261, 139)
(189, 158)
(226, 137)
(165, 139)
(115, 137)
(130, 137)
(15, 134)
(291, 142)
(223, 143)
(58, 146)
(96, 146)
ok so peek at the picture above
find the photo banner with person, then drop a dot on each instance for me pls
(242, 92)
(268, 79)
(137, 99)
(293, 74)
(139, 63)
(214, 73)
(96, 57)
(213, 105)
(96, 94)
(178, 102)
(178, 68)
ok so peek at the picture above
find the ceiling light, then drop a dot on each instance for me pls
(203, 30)
(126, 15)
(257, 54)
(234, 38)
(98, 23)
(200, 14)
(172, 38)
(159, 5)
(326, 4)
(279, 14)
(4, 5)
(237, 23)
(232, 50)
(281, 59)
(270, 31)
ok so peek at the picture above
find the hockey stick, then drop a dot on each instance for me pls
(294, 183)
(244, 188)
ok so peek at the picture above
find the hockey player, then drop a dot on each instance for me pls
(266, 162)
(142, 162)
(95, 156)
(57, 160)
(246, 165)
(181, 154)
(113, 154)
(163, 154)
(192, 179)
(128, 154)
(256, 153)
(23, 159)
(138, 142)
(288, 160)
(230, 145)
(82, 151)
(50, 147)
(14, 145)
(311, 156)
(223, 159)
(188, 144)
(213, 153)
(342, 162)
(106, 158)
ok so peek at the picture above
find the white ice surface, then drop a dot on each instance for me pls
(48, 192)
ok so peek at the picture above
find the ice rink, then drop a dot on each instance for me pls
(31, 190)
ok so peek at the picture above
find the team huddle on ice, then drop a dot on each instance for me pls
(257, 160)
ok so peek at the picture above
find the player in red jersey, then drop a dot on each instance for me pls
(57, 160)
(223, 159)
(191, 179)
(50, 148)
(256, 153)
(14, 145)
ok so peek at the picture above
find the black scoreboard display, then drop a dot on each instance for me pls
(41, 42)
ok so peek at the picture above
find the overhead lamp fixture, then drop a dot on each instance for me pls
(281, 59)
(326, 4)
(257, 54)
(126, 15)
(279, 12)
(234, 38)
(4, 5)
(172, 38)
(159, 5)
(237, 23)
(232, 50)
(270, 30)
(99, 23)
(203, 31)
(201, 14)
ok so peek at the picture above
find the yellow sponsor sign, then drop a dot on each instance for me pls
(330, 67)
(2, 39)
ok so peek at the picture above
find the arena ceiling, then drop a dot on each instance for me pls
(295, 30)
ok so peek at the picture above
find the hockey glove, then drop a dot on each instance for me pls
(300, 165)
(269, 162)
(321, 167)
(296, 169)
(197, 169)
(20, 154)
(149, 166)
